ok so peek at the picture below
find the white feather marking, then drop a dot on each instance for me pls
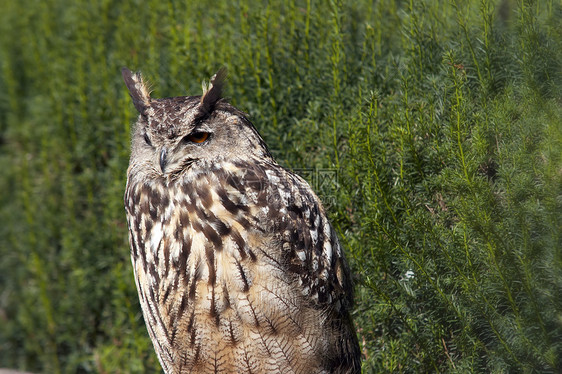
(328, 251)
(156, 235)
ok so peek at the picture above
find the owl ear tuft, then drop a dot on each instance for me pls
(138, 89)
(212, 91)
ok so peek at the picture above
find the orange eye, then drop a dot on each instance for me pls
(197, 137)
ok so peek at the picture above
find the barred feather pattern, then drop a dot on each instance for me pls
(237, 267)
(238, 270)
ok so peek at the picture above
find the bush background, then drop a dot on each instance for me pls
(441, 119)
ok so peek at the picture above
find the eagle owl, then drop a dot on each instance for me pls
(237, 268)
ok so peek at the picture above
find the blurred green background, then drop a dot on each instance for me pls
(441, 121)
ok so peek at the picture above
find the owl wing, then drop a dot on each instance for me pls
(313, 247)
(314, 254)
(293, 217)
(310, 246)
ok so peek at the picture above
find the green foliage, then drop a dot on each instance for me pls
(442, 119)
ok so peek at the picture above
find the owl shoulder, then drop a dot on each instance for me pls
(310, 245)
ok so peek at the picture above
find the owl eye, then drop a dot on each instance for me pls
(197, 137)
(147, 139)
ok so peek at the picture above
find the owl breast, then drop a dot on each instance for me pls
(220, 285)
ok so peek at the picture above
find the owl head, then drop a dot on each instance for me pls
(178, 134)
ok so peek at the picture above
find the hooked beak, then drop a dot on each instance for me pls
(163, 159)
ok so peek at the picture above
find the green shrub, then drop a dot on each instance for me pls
(440, 120)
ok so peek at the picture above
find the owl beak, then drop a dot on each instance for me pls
(163, 159)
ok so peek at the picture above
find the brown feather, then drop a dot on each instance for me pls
(138, 89)
(212, 93)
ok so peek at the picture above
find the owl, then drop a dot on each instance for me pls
(237, 267)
